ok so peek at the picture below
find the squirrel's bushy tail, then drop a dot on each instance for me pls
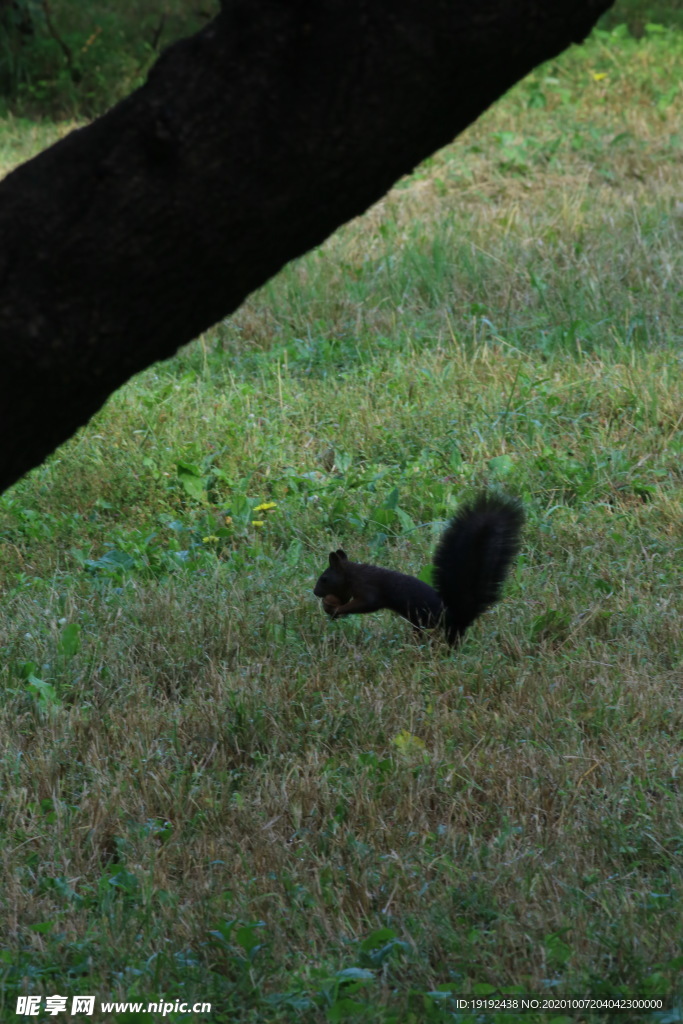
(473, 558)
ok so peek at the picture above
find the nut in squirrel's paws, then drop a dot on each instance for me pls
(330, 603)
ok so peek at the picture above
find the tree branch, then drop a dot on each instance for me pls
(248, 145)
(66, 50)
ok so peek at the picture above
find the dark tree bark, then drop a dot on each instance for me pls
(249, 144)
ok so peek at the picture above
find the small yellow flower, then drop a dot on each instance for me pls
(407, 743)
(228, 520)
(598, 75)
(258, 522)
(266, 506)
(211, 539)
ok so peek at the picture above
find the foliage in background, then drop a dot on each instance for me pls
(637, 14)
(66, 58)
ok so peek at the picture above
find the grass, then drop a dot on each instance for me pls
(208, 790)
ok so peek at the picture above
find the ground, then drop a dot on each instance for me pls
(209, 790)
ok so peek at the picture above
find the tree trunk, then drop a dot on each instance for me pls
(249, 144)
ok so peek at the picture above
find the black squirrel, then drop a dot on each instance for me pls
(470, 563)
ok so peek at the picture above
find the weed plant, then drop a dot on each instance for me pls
(209, 791)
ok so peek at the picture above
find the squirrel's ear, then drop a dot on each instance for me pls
(342, 555)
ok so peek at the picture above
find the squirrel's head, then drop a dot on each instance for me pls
(335, 578)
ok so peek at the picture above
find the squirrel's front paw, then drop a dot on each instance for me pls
(330, 605)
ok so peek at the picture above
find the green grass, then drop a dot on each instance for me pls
(208, 791)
